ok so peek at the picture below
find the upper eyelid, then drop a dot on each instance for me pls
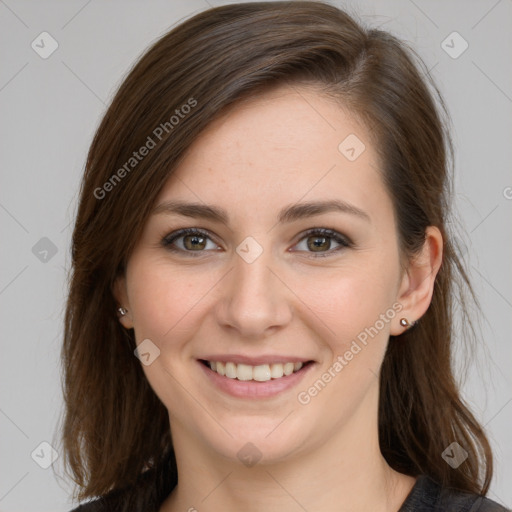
(178, 233)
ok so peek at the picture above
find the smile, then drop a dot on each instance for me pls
(260, 373)
(258, 381)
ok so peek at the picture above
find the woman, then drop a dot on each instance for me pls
(260, 309)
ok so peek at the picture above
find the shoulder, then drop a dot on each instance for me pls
(116, 500)
(429, 496)
(452, 499)
(93, 506)
(146, 494)
(98, 505)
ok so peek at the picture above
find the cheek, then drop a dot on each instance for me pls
(349, 300)
(163, 300)
(166, 306)
(356, 306)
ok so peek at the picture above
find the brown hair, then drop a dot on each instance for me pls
(115, 428)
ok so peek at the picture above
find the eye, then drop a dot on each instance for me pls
(194, 241)
(189, 240)
(319, 242)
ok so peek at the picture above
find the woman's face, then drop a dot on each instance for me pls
(266, 288)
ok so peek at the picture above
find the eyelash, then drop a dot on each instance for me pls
(321, 232)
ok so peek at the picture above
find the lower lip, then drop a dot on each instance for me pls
(255, 389)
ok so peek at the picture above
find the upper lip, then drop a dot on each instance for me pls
(254, 361)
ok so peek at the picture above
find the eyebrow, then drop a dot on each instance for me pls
(288, 214)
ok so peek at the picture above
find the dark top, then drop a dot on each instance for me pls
(426, 496)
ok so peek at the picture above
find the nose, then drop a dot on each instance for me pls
(255, 301)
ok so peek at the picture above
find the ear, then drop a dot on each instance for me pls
(417, 286)
(121, 295)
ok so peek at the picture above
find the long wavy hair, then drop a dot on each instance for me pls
(115, 431)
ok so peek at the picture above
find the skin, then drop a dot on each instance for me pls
(278, 149)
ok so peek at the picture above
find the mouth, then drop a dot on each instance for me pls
(259, 373)
(242, 380)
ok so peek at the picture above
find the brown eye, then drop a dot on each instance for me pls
(320, 240)
(318, 243)
(194, 242)
(189, 241)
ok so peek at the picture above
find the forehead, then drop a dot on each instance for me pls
(289, 144)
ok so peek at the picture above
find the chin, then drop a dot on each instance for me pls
(259, 440)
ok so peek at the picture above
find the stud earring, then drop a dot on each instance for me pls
(122, 311)
(404, 322)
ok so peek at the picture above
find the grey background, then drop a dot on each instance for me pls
(49, 111)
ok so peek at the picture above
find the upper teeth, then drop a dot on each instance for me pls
(261, 373)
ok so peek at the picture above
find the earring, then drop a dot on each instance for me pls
(404, 322)
(122, 311)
